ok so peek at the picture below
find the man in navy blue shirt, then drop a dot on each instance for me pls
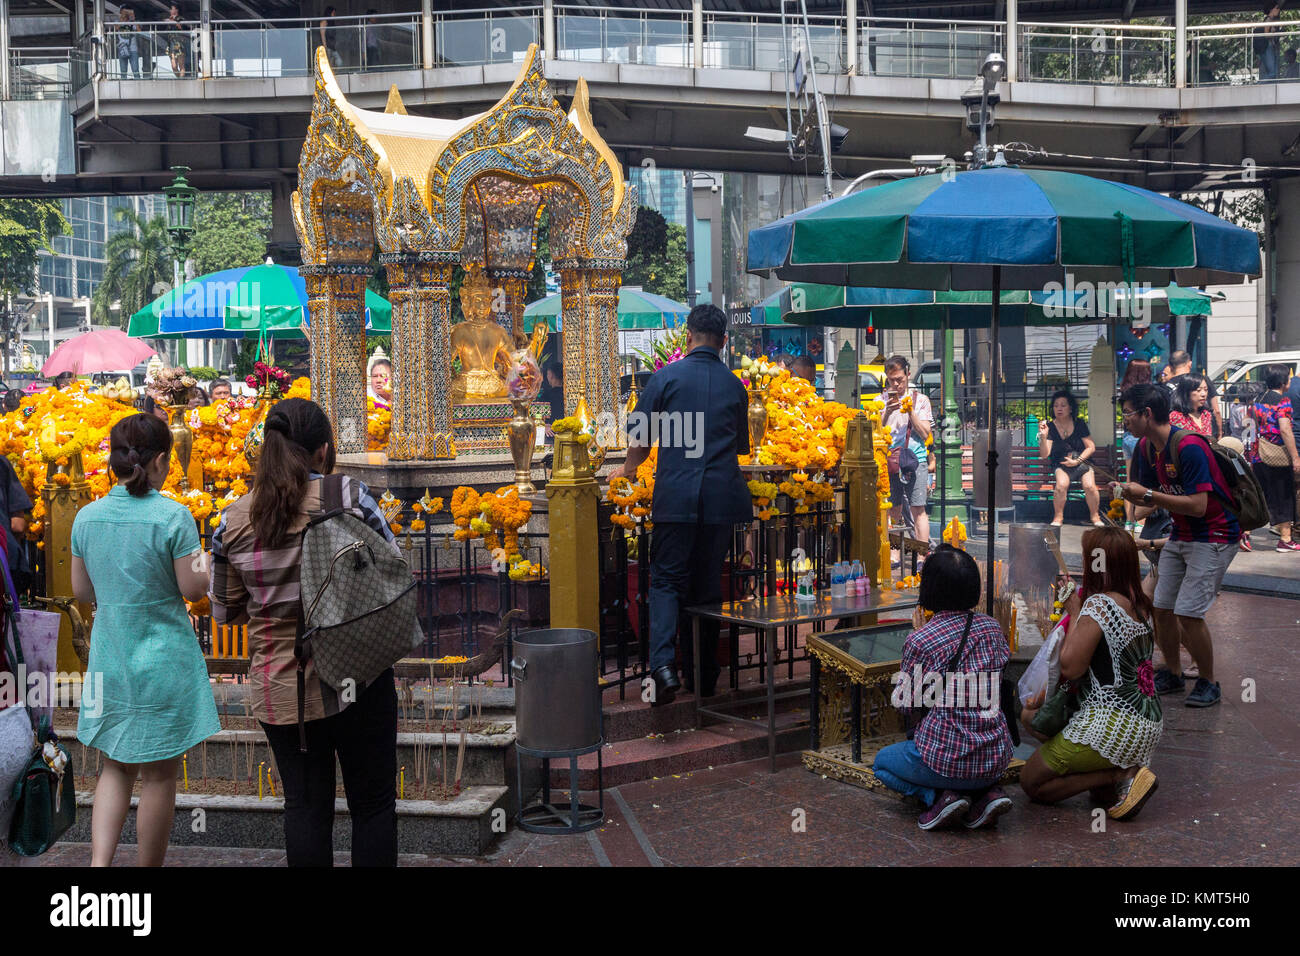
(695, 409)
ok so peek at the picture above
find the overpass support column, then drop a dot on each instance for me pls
(697, 35)
(851, 36)
(548, 29)
(4, 45)
(1180, 43)
(426, 34)
(205, 38)
(1011, 43)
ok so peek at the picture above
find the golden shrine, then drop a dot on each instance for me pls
(431, 194)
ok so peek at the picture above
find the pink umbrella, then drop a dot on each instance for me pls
(102, 350)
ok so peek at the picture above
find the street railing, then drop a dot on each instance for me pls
(150, 50)
(40, 73)
(934, 49)
(1238, 54)
(612, 35)
(1097, 54)
(360, 44)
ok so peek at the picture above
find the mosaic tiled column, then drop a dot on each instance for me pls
(573, 307)
(336, 298)
(602, 308)
(422, 410)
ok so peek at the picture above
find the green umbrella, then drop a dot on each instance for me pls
(248, 302)
(637, 309)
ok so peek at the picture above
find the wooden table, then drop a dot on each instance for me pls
(770, 614)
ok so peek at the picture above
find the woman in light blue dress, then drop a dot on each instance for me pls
(147, 699)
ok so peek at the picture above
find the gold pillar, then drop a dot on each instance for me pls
(572, 496)
(336, 297)
(422, 409)
(61, 506)
(861, 480)
(573, 306)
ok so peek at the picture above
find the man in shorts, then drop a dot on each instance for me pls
(1202, 542)
(914, 427)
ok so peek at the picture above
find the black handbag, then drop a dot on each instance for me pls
(1057, 710)
(44, 796)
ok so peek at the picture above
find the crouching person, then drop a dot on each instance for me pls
(961, 747)
(1108, 742)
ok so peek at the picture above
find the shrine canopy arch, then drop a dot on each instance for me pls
(431, 193)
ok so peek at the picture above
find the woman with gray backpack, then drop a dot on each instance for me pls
(261, 577)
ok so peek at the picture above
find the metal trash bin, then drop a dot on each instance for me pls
(558, 715)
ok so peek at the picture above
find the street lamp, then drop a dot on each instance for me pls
(180, 221)
(979, 101)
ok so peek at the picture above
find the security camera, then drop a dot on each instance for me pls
(713, 188)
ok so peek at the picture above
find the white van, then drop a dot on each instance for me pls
(1250, 368)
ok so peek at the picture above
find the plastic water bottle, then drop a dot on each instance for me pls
(858, 579)
(837, 581)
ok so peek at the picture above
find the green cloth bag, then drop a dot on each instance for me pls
(45, 801)
(1056, 710)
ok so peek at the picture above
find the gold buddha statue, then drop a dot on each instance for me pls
(479, 342)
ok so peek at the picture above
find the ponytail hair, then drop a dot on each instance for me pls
(292, 433)
(133, 444)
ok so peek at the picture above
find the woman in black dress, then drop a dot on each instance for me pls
(1067, 444)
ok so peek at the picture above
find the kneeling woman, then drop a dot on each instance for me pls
(1106, 746)
(958, 754)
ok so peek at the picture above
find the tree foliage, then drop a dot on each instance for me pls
(230, 230)
(656, 255)
(138, 266)
(26, 227)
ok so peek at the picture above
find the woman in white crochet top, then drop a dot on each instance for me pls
(1107, 745)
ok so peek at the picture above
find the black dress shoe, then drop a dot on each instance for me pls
(666, 686)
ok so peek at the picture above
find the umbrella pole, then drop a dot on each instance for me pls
(992, 498)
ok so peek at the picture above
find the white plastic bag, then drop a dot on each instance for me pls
(1044, 671)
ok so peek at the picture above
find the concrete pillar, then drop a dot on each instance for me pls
(426, 34)
(548, 29)
(851, 35)
(79, 18)
(1012, 41)
(572, 500)
(4, 48)
(697, 33)
(1180, 43)
(205, 38)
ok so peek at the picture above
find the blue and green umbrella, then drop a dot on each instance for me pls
(637, 309)
(1002, 228)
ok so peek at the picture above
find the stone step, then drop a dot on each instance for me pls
(489, 758)
(680, 751)
(464, 826)
(633, 719)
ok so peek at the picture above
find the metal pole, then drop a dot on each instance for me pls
(992, 495)
(697, 33)
(205, 38)
(823, 117)
(689, 176)
(548, 28)
(426, 34)
(4, 46)
(851, 36)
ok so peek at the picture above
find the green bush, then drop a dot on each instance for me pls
(205, 373)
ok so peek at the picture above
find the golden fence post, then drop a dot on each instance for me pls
(62, 502)
(861, 479)
(572, 497)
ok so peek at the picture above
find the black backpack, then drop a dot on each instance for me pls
(1246, 498)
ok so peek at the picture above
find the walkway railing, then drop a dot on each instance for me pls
(1072, 53)
(40, 73)
(613, 35)
(1097, 53)
(1239, 54)
(936, 49)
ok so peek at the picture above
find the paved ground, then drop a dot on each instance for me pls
(1261, 571)
(1227, 791)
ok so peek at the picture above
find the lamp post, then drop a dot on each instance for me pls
(180, 222)
(983, 96)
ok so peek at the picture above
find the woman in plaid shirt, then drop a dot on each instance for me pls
(961, 747)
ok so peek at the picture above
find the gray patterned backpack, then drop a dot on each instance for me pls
(358, 601)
